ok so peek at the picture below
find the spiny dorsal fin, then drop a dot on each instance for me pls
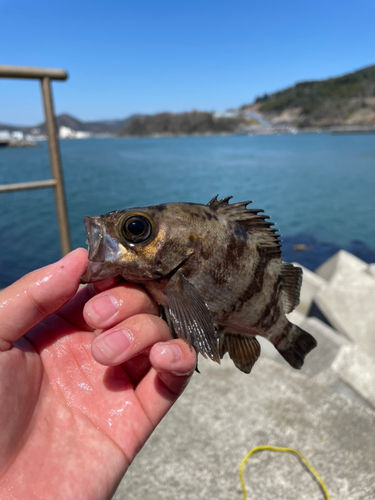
(292, 281)
(215, 202)
(254, 223)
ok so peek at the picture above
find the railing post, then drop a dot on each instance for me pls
(56, 165)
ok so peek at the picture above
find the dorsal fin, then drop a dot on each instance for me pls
(292, 281)
(254, 223)
(215, 202)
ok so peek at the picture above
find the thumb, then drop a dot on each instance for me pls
(37, 295)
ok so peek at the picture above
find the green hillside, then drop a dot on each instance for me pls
(345, 100)
(195, 122)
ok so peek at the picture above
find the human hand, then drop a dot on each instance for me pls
(69, 426)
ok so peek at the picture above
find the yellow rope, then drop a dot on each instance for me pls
(287, 450)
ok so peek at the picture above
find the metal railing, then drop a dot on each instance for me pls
(45, 75)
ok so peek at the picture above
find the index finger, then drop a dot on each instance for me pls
(37, 295)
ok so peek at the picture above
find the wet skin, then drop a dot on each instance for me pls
(84, 380)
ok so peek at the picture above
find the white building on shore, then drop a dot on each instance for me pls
(68, 133)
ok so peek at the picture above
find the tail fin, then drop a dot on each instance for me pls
(295, 351)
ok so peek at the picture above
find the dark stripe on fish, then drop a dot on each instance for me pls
(255, 286)
(271, 312)
(160, 208)
(282, 339)
(211, 216)
(235, 250)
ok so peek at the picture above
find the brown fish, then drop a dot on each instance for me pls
(215, 269)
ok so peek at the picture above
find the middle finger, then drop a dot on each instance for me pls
(129, 338)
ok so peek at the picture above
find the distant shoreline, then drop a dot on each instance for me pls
(256, 132)
(265, 131)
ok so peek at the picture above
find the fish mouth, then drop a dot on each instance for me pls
(102, 247)
(104, 251)
(94, 230)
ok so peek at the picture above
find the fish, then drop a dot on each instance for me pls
(216, 271)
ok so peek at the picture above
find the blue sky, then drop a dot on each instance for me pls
(128, 57)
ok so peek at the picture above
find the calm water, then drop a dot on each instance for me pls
(317, 185)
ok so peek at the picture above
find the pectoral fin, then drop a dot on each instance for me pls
(190, 318)
(243, 350)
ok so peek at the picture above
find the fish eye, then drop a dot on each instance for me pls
(136, 228)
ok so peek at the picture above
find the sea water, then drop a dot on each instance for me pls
(317, 186)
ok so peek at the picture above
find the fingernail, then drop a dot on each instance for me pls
(102, 308)
(172, 351)
(113, 344)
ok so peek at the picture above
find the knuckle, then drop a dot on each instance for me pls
(130, 293)
(152, 327)
(40, 311)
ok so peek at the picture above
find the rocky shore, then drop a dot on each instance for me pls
(326, 411)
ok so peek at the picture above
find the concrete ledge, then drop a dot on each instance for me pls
(348, 302)
(196, 451)
(371, 269)
(330, 380)
(329, 345)
(342, 261)
(356, 369)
